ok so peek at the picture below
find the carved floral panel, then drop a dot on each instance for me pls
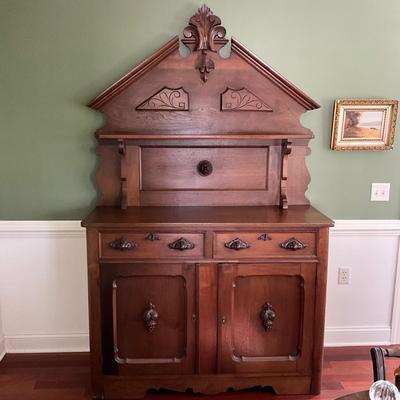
(167, 99)
(242, 100)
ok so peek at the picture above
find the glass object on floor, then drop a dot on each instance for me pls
(383, 390)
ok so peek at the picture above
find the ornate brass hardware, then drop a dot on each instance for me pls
(150, 317)
(293, 244)
(264, 237)
(267, 316)
(152, 236)
(122, 244)
(205, 168)
(237, 244)
(181, 244)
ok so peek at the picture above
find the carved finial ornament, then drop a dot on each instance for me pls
(204, 31)
(203, 34)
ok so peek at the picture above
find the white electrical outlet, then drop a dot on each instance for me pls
(380, 191)
(343, 276)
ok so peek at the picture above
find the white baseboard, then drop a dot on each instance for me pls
(2, 347)
(76, 342)
(339, 336)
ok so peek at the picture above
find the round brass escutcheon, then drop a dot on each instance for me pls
(204, 168)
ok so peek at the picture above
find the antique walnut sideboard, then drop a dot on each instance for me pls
(206, 263)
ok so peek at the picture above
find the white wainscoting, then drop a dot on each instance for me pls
(365, 311)
(43, 285)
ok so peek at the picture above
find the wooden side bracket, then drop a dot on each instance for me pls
(124, 183)
(121, 147)
(286, 150)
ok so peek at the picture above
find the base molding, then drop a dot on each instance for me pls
(2, 347)
(357, 336)
(45, 343)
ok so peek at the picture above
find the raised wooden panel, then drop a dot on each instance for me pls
(140, 245)
(250, 340)
(260, 246)
(152, 317)
(173, 168)
(245, 345)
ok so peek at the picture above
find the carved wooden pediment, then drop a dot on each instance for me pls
(166, 80)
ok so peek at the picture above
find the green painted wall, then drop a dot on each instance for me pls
(58, 54)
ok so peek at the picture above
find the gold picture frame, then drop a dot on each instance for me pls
(364, 124)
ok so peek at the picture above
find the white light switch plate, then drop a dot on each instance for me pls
(380, 191)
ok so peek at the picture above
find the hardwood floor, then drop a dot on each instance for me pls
(66, 377)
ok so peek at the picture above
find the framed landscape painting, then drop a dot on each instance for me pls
(364, 124)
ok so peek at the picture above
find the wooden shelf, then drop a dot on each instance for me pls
(230, 136)
(263, 216)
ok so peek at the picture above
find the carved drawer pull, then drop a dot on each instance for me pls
(205, 168)
(152, 236)
(122, 244)
(237, 244)
(293, 244)
(150, 317)
(264, 237)
(267, 316)
(181, 244)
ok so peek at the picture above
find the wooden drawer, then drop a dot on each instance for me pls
(263, 244)
(151, 245)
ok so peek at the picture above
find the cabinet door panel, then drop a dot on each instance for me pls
(250, 337)
(266, 317)
(152, 326)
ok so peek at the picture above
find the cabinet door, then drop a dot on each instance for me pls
(266, 317)
(152, 314)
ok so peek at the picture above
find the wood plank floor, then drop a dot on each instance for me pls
(66, 377)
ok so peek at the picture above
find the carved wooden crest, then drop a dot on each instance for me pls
(203, 34)
(204, 31)
(167, 99)
(242, 100)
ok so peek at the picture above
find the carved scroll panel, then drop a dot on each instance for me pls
(166, 99)
(242, 100)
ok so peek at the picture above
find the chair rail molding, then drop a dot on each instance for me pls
(41, 229)
(38, 263)
(366, 227)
